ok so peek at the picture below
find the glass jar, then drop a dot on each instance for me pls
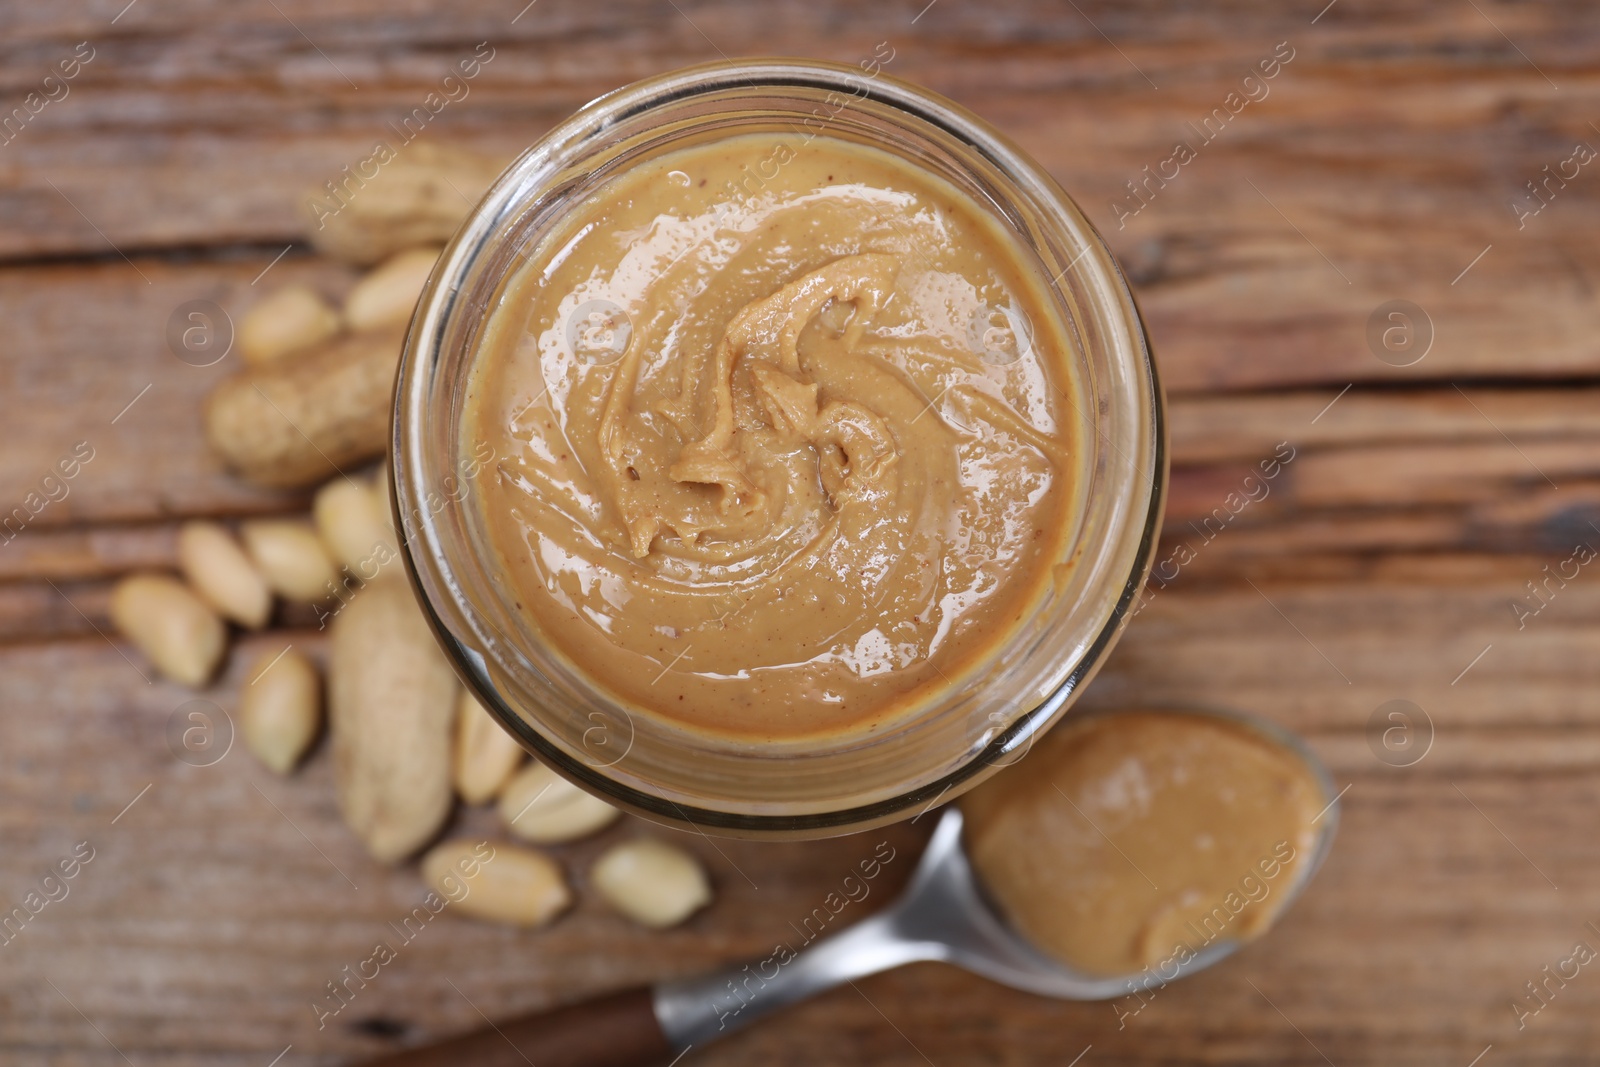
(642, 762)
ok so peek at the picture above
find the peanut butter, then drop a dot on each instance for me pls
(786, 432)
(1136, 839)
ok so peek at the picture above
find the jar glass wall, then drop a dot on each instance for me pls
(641, 761)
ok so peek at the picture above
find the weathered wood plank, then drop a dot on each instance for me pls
(1218, 427)
(203, 897)
(1381, 163)
(85, 342)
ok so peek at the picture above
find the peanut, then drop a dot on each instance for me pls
(383, 493)
(388, 295)
(499, 882)
(391, 703)
(486, 756)
(286, 321)
(419, 197)
(307, 416)
(651, 882)
(280, 709)
(352, 528)
(171, 625)
(222, 574)
(291, 558)
(540, 806)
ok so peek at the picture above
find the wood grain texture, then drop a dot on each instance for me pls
(615, 1030)
(1383, 562)
(1382, 161)
(223, 886)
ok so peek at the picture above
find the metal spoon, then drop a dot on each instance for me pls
(942, 915)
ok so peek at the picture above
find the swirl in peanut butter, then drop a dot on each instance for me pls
(787, 437)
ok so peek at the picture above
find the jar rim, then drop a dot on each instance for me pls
(425, 541)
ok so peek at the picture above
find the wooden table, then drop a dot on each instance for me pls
(1383, 163)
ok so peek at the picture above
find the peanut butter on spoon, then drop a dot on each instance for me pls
(1125, 840)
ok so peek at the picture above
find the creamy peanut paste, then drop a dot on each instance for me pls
(785, 436)
(1136, 839)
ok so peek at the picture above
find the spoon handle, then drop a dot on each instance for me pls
(615, 1030)
(638, 1027)
(697, 1010)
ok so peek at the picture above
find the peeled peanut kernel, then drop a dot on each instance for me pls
(171, 625)
(291, 558)
(499, 882)
(388, 295)
(383, 493)
(651, 882)
(350, 525)
(486, 756)
(280, 708)
(286, 321)
(540, 806)
(221, 572)
(391, 712)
